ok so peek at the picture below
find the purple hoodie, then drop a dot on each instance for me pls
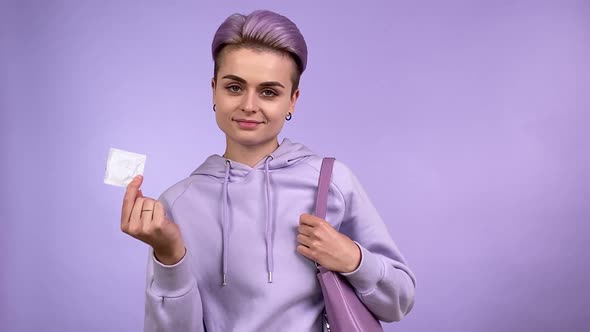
(242, 272)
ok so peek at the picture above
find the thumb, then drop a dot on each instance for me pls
(136, 184)
(139, 192)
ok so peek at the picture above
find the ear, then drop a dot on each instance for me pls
(294, 101)
(213, 85)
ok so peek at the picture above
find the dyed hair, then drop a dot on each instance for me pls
(262, 30)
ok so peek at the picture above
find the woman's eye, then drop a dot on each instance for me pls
(269, 93)
(233, 88)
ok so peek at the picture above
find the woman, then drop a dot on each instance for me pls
(233, 246)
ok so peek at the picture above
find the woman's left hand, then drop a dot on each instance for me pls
(320, 242)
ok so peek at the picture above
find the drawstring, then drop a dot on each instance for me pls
(269, 224)
(225, 222)
(269, 221)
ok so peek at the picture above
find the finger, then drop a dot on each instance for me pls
(306, 230)
(147, 211)
(129, 198)
(304, 240)
(305, 251)
(308, 219)
(159, 212)
(135, 219)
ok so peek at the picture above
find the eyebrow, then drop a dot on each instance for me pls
(263, 84)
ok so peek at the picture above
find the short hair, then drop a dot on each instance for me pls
(261, 30)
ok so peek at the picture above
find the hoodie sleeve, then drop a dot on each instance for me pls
(383, 281)
(173, 301)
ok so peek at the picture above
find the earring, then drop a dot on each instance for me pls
(214, 110)
(289, 116)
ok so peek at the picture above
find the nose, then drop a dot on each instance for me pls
(249, 102)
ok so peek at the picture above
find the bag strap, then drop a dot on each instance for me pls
(321, 204)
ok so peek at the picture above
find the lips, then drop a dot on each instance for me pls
(247, 121)
(247, 124)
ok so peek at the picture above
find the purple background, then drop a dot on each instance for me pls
(466, 121)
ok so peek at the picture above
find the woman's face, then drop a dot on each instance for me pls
(253, 95)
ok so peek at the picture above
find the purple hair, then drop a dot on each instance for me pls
(261, 30)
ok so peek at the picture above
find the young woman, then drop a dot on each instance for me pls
(232, 247)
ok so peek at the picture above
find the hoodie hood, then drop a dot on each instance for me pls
(227, 171)
(287, 154)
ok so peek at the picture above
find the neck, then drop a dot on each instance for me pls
(249, 155)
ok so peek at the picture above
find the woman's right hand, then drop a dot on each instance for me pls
(145, 219)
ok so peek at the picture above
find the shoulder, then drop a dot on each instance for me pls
(177, 190)
(205, 173)
(343, 178)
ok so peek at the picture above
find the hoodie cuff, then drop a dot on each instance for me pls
(370, 271)
(172, 280)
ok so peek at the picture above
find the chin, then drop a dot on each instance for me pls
(251, 139)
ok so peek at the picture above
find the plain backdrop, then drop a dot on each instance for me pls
(466, 121)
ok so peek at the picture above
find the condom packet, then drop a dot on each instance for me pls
(123, 166)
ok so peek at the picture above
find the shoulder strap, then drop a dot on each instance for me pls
(321, 204)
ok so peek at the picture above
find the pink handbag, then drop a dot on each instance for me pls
(344, 310)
